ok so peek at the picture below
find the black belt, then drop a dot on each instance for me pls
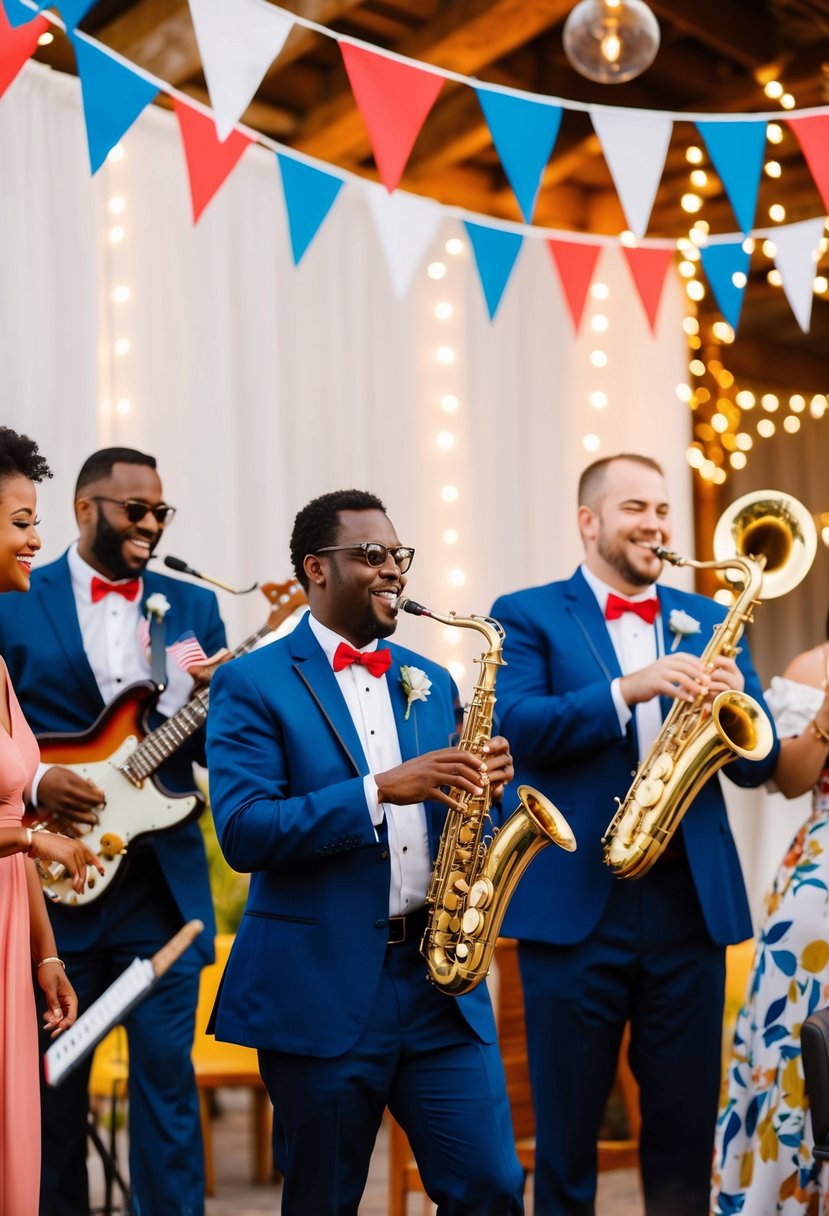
(407, 928)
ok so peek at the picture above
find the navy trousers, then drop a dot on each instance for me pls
(165, 1155)
(652, 962)
(418, 1056)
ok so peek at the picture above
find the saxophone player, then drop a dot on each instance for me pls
(594, 663)
(329, 759)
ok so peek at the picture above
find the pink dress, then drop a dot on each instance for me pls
(19, 1092)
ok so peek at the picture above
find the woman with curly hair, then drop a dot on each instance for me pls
(26, 937)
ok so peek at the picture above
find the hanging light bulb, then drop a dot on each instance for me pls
(611, 41)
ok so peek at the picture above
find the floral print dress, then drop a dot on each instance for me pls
(763, 1163)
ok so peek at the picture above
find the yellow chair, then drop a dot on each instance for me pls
(738, 963)
(227, 1065)
(107, 1094)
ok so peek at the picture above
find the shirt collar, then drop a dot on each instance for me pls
(82, 575)
(329, 640)
(602, 590)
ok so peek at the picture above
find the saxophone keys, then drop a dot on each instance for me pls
(473, 921)
(662, 767)
(649, 791)
(481, 893)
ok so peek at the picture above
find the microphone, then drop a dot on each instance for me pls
(175, 563)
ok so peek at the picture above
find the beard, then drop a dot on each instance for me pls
(107, 546)
(612, 553)
(366, 624)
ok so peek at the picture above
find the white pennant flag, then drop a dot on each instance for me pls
(237, 42)
(406, 226)
(798, 249)
(635, 144)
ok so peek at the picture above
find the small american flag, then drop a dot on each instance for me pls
(187, 651)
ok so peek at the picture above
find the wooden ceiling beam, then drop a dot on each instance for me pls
(464, 37)
(739, 33)
(158, 36)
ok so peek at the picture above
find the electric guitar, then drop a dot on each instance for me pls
(121, 758)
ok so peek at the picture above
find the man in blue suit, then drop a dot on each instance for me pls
(328, 784)
(594, 663)
(77, 644)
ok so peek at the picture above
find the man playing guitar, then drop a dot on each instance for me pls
(96, 622)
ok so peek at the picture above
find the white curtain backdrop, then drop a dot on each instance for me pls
(258, 385)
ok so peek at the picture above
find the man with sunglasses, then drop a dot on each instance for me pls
(84, 638)
(328, 782)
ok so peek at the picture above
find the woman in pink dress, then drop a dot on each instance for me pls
(26, 937)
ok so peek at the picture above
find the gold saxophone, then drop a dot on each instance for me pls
(478, 866)
(780, 536)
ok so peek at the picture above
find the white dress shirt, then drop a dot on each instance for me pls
(109, 631)
(369, 704)
(636, 644)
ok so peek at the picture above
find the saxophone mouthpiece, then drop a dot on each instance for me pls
(404, 604)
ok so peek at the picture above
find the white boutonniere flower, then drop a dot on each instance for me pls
(416, 686)
(682, 625)
(157, 605)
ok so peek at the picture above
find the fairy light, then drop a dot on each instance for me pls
(46, 38)
(454, 246)
(445, 355)
(591, 443)
(449, 403)
(436, 270)
(444, 310)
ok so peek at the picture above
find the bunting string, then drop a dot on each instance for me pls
(394, 95)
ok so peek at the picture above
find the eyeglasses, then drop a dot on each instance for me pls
(376, 554)
(136, 511)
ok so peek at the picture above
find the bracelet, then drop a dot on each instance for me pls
(28, 849)
(52, 959)
(820, 734)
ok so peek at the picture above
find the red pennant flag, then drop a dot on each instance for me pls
(394, 99)
(575, 262)
(649, 267)
(813, 136)
(209, 161)
(17, 46)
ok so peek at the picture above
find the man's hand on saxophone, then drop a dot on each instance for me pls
(461, 771)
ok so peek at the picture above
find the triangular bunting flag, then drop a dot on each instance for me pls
(238, 43)
(796, 259)
(813, 136)
(209, 161)
(73, 12)
(649, 267)
(17, 46)
(495, 252)
(309, 195)
(634, 144)
(20, 14)
(406, 226)
(113, 97)
(736, 150)
(524, 133)
(394, 99)
(575, 262)
(721, 263)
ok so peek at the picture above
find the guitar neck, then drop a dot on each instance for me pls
(167, 738)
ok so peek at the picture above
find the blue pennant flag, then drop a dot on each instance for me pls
(18, 13)
(113, 97)
(524, 133)
(737, 150)
(495, 253)
(721, 263)
(73, 11)
(309, 196)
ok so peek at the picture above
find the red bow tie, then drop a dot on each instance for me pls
(376, 661)
(100, 588)
(647, 609)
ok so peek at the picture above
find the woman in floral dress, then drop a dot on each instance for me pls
(763, 1163)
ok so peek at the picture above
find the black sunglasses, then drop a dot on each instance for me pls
(376, 554)
(135, 511)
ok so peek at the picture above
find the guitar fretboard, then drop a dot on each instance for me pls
(167, 738)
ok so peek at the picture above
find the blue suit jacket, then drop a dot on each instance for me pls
(556, 710)
(40, 639)
(286, 784)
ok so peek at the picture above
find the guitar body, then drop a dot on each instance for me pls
(131, 810)
(121, 756)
